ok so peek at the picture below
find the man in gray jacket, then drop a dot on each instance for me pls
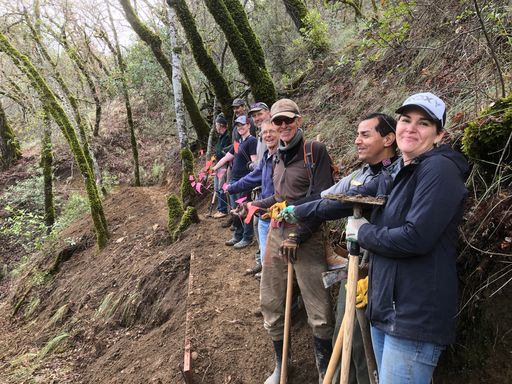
(376, 147)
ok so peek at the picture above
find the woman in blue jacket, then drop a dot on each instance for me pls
(413, 278)
(412, 240)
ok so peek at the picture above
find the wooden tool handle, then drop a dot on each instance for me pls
(287, 321)
(335, 356)
(348, 319)
(368, 347)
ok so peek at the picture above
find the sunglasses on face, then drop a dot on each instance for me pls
(280, 120)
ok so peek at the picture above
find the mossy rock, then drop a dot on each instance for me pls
(486, 137)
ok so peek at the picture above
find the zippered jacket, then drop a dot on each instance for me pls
(261, 175)
(412, 241)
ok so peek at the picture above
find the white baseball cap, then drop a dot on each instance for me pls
(429, 103)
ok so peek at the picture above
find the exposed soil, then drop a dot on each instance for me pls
(124, 308)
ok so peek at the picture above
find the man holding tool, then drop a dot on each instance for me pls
(293, 180)
(376, 147)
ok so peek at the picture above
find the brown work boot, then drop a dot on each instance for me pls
(334, 261)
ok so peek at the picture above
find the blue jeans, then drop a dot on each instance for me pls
(404, 361)
(242, 231)
(222, 204)
(262, 236)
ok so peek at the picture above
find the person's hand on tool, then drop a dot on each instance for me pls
(274, 211)
(287, 215)
(353, 226)
(288, 248)
(362, 293)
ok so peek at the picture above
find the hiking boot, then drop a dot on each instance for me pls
(274, 378)
(219, 215)
(231, 242)
(253, 270)
(242, 244)
(334, 261)
(323, 351)
(227, 223)
(257, 275)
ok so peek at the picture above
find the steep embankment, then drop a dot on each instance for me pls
(112, 316)
(118, 316)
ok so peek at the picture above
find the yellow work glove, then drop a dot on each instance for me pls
(274, 211)
(362, 293)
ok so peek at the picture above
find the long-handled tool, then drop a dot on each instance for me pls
(212, 203)
(350, 305)
(368, 348)
(335, 356)
(352, 277)
(287, 321)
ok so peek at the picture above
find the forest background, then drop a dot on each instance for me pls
(90, 102)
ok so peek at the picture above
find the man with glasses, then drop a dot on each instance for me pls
(376, 147)
(292, 181)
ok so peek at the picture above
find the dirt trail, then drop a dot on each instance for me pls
(121, 312)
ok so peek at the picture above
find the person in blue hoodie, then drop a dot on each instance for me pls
(412, 240)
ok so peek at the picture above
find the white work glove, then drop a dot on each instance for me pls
(353, 226)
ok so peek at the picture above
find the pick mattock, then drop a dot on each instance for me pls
(350, 304)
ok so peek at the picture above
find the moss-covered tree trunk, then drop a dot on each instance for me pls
(297, 11)
(187, 165)
(47, 167)
(52, 104)
(238, 13)
(258, 77)
(10, 150)
(316, 39)
(73, 102)
(202, 57)
(155, 43)
(126, 96)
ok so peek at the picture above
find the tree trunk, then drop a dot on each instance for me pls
(52, 104)
(73, 102)
(258, 77)
(155, 43)
(202, 57)
(297, 10)
(176, 77)
(316, 42)
(47, 167)
(238, 13)
(129, 116)
(9, 146)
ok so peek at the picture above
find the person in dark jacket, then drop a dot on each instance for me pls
(221, 147)
(412, 242)
(241, 154)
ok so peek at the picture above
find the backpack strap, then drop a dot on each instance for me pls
(309, 164)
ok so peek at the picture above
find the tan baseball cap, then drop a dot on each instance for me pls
(284, 107)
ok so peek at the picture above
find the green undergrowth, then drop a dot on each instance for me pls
(22, 367)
